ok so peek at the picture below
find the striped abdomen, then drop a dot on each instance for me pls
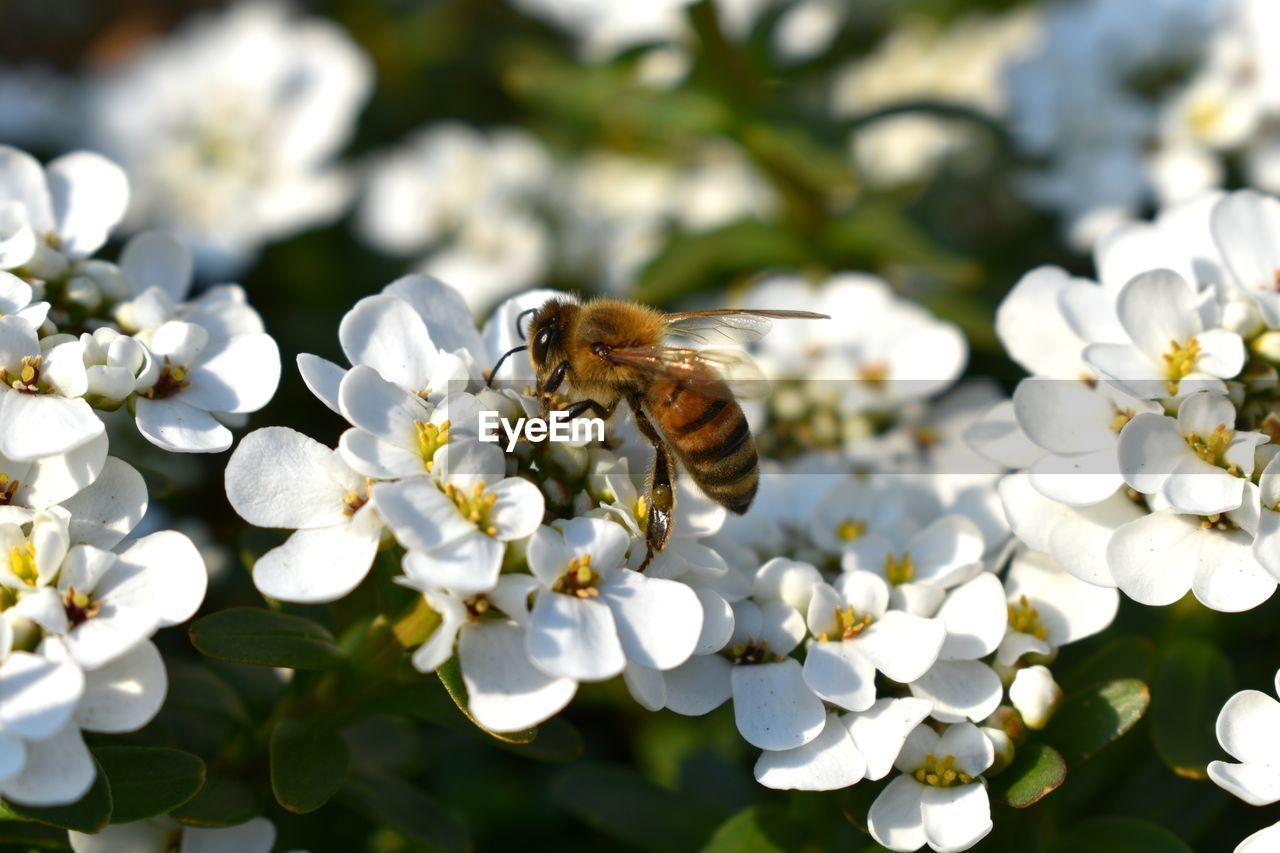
(708, 434)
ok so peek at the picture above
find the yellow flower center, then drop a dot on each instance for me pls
(876, 372)
(22, 562)
(79, 607)
(431, 437)
(355, 501)
(1122, 417)
(1179, 361)
(579, 579)
(752, 651)
(1025, 619)
(849, 624)
(941, 772)
(850, 529)
(27, 378)
(172, 380)
(474, 505)
(1212, 448)
(8, 489)
(899, 570)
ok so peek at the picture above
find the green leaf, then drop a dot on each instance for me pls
(1118, 835)
(1126, 657)
(264, 637)
(1037, 769)
(620, 803)
(690, 261)
(387, 799)
(308, 765)
(195, 689)
(1193, 680)
(451, 677)
(223, 801)
(90, 813)
(24, 835)
(147, 781)
(1092, 718)
(758, 829)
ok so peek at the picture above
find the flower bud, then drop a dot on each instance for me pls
(1267, 345)
(1007, 720)
(1004, 746)
(1036, 696)
(83, 291)
(1241, 315)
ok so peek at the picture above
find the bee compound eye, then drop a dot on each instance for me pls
(542, 342)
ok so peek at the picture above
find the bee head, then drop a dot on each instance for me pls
(546, 331)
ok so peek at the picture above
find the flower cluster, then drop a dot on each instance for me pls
(1120, 113)
(497, 211)
(247, 162)
(858, 617)
(1144, 435)
(82, 338)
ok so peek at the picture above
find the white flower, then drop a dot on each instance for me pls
(919, 566)
(1198, 463)
(192, 379)
(107, 603)
(40, 395)
(50, 479)
(1245, 730)
(857, 635)
(456, 526)
(939, 799)
(249, 161)
(505, 691)
(18, 299)
(1077, 426)
(1170, 340)
(850, 748)
(57, 214)
(1243, 227)
(1049, 608)
(592, 616)
(1262, 841)
(280, 478)
(1035, 695)
(960, 685)
(161, 834)
(1157, 558)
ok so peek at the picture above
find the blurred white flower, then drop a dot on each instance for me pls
(249, 161)
(159, 835)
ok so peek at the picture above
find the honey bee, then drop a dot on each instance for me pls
(683, 398)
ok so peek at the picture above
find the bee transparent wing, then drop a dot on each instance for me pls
(714, 372)
(731, 325)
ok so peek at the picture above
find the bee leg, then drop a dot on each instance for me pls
(578, 409)
(662, 494)
(553, 383)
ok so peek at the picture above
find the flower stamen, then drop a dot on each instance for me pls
(941, 772)
(1180, 361)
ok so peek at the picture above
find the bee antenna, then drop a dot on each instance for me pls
(519, 317)
(492, 373)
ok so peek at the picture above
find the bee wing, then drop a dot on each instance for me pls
(732, 325)
(714, 372)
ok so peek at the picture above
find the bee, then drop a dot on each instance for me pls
(683, 398)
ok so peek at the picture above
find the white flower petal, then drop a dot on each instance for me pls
(59, 770)
(505, 691)
(467, 565)
(126, 694)
(827, 763)
(571, 637)
(839, 674)
(881, 731)
(322, 564)
(89, 194)
(658, 620)
(957, 818)
(699, 685)
(902, 646)
(960, 690)
(322, 378)
(1156, 307)
(278, 477)
(172, 425)
(895, 819)
(37, 696)
(975, 615)
(773, 707)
